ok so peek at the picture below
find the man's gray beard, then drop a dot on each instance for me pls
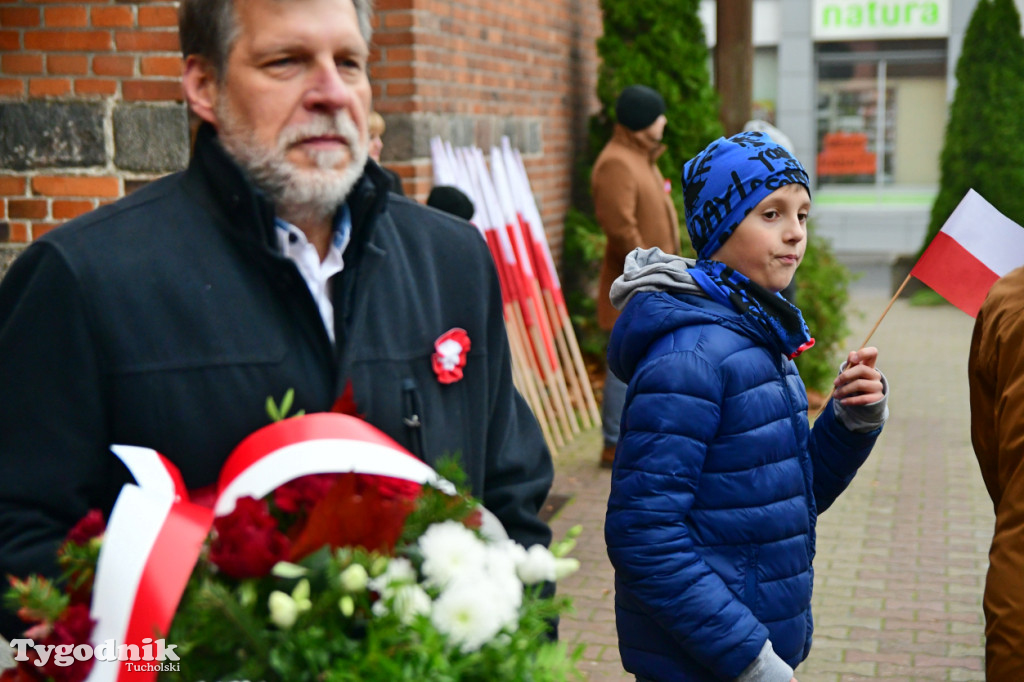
(299, 194)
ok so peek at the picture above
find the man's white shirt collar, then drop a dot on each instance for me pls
(293, 244)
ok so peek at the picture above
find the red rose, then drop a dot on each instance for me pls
(20, 674)
(90, 526)
(247, 542)
(302, 494)
(73, 627)
(25, 672)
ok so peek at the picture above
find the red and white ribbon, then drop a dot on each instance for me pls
(154, 534)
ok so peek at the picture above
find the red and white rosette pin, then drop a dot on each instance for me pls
(449, 357)
(154, 534)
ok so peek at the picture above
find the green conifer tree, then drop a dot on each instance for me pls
(661, 44)
(984, 140)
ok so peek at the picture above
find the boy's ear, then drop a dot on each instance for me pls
(200, 84)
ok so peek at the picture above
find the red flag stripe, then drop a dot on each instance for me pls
(955, 274)
(318, 426)
(164, 577)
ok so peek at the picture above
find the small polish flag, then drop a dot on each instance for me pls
(975, 247)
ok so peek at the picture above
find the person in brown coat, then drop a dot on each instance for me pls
(996, 374)
(633, 205)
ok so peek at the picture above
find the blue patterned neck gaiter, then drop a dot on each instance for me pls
(779, 318)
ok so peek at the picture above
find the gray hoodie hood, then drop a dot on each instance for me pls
(653, 270)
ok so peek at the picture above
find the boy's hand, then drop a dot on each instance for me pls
(860, 383)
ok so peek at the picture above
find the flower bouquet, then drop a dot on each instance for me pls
(328, 554)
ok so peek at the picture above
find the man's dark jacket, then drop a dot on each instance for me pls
(166, 319)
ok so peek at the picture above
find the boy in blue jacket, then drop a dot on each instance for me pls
(718, 479)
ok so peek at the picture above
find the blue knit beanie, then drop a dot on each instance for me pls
(725, 181)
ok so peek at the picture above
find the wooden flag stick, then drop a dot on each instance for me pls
(560, 384)
(530, 364)
(871, 333)
(581, 369)
(568, 362)
(551, 380)
(526, 381)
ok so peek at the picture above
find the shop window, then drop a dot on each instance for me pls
(881, 109)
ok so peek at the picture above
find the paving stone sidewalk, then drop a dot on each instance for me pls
(902, 554)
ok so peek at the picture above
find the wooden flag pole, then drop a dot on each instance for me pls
(521, 331)
(881, 317)
(518, 333)
(550, 378)
(581, 369)
(527, 384)
(568, 362)
(560, 383)
(547, 398)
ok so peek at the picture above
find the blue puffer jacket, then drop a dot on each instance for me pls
(715, 491)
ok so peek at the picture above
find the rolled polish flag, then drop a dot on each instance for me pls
(976, 246)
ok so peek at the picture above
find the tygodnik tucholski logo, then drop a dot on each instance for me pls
(152, 656)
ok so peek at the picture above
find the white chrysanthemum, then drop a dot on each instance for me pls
(506, 551)
(468, 613)
(399, 571)
(449, 550)
(405, 601)
(500, 563)
(537, 565)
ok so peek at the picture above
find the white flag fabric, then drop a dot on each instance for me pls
(976, 246)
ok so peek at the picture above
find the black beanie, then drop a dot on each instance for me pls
(451, 200)
(639, 106)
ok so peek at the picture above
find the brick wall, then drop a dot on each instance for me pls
(91, 104)
(89, 107)
(471, 71)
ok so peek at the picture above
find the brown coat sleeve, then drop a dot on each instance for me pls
(996, 376)
(615, 207)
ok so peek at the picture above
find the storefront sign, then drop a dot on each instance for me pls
(880, 19)
(845, 155)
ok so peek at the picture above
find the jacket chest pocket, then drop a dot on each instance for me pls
(405, 400)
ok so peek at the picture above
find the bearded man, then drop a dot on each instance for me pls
(277, 261)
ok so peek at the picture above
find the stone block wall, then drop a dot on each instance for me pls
(91, 103)
(90, 106)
